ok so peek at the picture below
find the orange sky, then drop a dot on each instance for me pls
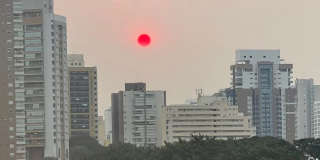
(193, 41)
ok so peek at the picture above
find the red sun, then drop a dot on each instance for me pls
(144, 40)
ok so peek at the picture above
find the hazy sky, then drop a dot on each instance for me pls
(193, 41)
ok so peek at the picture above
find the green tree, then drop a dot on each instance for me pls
(204, 148)
(83, 145)
(310, 146)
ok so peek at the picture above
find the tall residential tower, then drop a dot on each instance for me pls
(137, 115)
(261, 87)
(34, 100)
(83, 101)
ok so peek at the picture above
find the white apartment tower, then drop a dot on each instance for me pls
(40, 80)
(108, 123)
(316, 119)
(261, 87)
(307, 94)
(137, 115)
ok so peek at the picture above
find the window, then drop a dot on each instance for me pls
(10, 102)
(8, 23)
(244, 56)
(10, 85)
(9, 32)
(9, 58)
(9, 67)
(9, 40)
(264, 56)
(10, 76)
(8, 5)
(9, 50)
(11, 128)
(10, 93)
(8, 14)
(11, 145)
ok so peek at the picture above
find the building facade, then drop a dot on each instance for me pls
(316, 119)
(108, 123)
(137, 115)
(307, 94)
(83, 101)
(216, 120)
(75, 60)
(261, 87)
(101, 130)
(35, 50)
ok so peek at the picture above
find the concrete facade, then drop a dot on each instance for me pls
(316, 119)
(83, 101)
(261, 87)
(216, 120)
(37, 81)
(75, 60)
(128, 115)
(307, 94)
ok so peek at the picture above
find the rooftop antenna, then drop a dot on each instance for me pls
(199, 92)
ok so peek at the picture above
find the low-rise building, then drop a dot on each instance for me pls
(216, 120)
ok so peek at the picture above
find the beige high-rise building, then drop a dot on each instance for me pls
(34, 112)
(215, 120)
(83, 101)
(101, 130)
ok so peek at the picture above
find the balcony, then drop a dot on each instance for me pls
(35, 93)
(35, 136)
(34, 99)
(21, 150)
(33, 78)
(35, 143)
(18, 63)
(33, 71)
(34, 106)
(20, 115)
(34, 85)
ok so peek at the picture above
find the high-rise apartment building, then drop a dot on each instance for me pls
(307, 94)
(137, 115)
(261, 87)
(215, 120)
(101, 130)
(34, 100)
(108, 123)
(316, 119)
(83, 101)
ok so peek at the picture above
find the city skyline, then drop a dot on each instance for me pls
(205, 48)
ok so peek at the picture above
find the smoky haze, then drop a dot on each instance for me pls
(193, 42)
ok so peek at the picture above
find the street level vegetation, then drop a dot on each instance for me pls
(198, 148)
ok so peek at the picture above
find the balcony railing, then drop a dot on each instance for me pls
(34, 99)
(35, 142)
(32, 106)
(34, 78)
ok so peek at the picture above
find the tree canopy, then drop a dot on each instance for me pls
(310, 146)
(204, 148)
(82, 145)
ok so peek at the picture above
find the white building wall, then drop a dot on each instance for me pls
(305, 101)
(50, 148)
(135, 133)
(108, 123)
(316, 115)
